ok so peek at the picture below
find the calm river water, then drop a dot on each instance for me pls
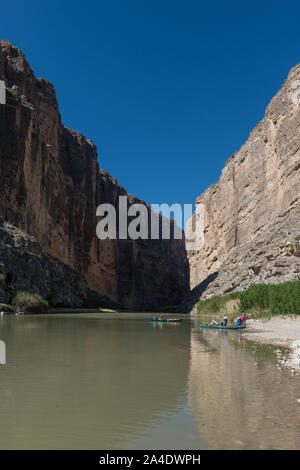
(117, 381)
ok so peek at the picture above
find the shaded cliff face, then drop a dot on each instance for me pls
(24, 266)
(51, 185)
(252, 214)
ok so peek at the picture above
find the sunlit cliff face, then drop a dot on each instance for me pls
(255, 201)
(51, 186)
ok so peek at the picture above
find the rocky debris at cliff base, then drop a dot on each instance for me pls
(278, 331)
(270, 258)
(25, 266)
(51, 186)
(251, 215)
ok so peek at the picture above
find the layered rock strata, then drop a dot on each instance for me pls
(252, 214)
(24, 266)
(51, 185)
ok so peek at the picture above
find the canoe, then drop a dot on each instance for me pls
(227, 327)
(170, 320)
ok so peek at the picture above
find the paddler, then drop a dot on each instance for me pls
(244, 317)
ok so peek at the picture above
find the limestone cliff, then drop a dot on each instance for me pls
(252, 214)
(51, 185)
(25, 266)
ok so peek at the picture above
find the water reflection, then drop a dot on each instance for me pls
(120, 381)
(239, 398)
(88, 381)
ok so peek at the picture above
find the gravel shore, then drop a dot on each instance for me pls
(279, 331)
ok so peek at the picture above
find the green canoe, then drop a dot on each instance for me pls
(233, 327)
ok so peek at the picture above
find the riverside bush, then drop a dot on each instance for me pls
(283, 298)
(6, 308)
(27, 302)
(216, 304)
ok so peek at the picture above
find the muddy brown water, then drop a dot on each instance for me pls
(118, 381)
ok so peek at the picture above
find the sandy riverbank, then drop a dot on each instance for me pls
(279, 331)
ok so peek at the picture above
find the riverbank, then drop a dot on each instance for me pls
(284, 332)
(60, 310)
(259, 300)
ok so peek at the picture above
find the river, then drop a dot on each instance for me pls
(118, 381)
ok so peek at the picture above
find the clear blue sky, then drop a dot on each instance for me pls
(168, 90)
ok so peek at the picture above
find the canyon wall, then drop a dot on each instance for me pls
(25, 266)
(252, 214)
(51, 185)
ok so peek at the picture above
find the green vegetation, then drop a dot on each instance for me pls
(33, 303)
(259, 300)
(281, 298)
(217, 304)
(6, 308)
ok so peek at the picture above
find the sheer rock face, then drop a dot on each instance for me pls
(24, 266)
(51, 185)
(252, 214)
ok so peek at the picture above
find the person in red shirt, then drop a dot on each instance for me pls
(244, 317)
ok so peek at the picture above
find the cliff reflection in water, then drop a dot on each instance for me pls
(89, 381)
(121, 382)
(238, 396)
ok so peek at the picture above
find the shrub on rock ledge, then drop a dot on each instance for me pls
(27, 302)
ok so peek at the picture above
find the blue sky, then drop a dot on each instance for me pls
(168, 90)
